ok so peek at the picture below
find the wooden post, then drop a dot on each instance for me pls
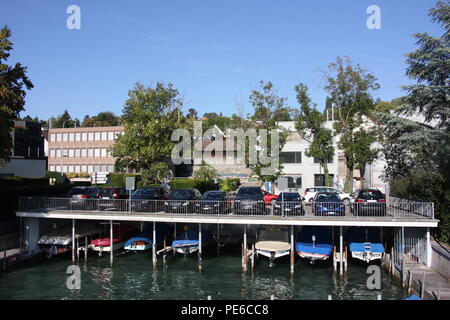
(111, 238)
(341, 251)
(85, 248)
(292, 250)
(409, 281)
(253, 256)
(165, 254)
(334, 259)
(244, 266)
(154, 246)
(200, 247)
(73, 240)
(422, 287)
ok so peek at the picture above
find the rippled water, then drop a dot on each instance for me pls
(132, 277)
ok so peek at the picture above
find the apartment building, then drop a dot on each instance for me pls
(82, 150)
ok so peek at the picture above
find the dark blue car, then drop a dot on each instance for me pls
(328, 204)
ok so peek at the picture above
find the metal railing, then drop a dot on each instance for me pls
(377, 210)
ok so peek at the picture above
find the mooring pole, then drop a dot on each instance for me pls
(341, 250)
(78, 248)
(111, 242)
(73, 240)
(165, 254)
(200, 247)
(154, 246)
(292, 250)
(429, 253)
(218, 238)
(85, 248)
(244, 252)
(142, 226)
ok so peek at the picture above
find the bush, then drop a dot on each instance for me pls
(57, 175)
(229, 184)
(18, 181)
(201, 185)
(118, 179)
(206, 172)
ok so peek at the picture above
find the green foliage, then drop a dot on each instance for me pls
(350, 89)
(13, 83)
(102, 119)
(201, 185)
(417, 152)
(149, 117)
(310, 124)
(206, 172)
(64, 120)
(18, 181)
(118, 179)
(229, 184)
(57, 175)
(150, 175)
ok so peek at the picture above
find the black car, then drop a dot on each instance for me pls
(147, 200)
(249, 200)
(288, 203)
(369, 202)
(328, 204)
(182, 201)
(83, 198)
(214, 202)
(112, 198)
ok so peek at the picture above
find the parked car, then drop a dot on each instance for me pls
(147, 200)
(182, 201)
(249, 200)
(328, 204)
(109, 196)
(310, 193)
(369, 202)
(81, 198)
(214, 202)
(288, 203)
(269, 197)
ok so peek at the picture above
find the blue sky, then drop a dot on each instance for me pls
(214, 52)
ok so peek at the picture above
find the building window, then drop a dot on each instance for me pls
(71, 153)
(317, 160)
(319, 179)
(84, 136)
(83, 153)
(104, 136)
(52, 153)
(77, 169)
(97, 153)
(84, 168)
(110, 136)
(104, 168)
(64, 137)
(97, 168)
(103, 152)
(58, 168)
(90, 153)
(71, 169)
(90, 169)
(110, 168)
(97, 136)
(77, 136)
(64, 169)
(90, 136)
(294, 182)
(53, 137)
(77, 153)
(290, 157)
(71, 136)
(58, 137)
(58, 153)
(52, 168)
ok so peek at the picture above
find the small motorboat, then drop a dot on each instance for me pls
(364, 243)
(314, 243)
(187, 242)
(121, 233)
(144, 240)
(272, 243)
(60, 240)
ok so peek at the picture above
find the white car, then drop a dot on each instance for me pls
(310, 193)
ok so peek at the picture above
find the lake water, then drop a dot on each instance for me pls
(132, 277)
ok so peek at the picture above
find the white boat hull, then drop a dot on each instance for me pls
(366, 256)
(101, 249)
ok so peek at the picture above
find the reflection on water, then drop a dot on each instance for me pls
(132, 277)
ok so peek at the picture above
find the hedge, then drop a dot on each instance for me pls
(201, 185)
(18, 181)
(229, 184)
(118, 179)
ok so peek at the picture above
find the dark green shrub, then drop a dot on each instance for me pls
(201, 185)
(229, 184)
(118, 179)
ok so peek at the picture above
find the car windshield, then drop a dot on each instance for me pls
(250, 192)
(288, 197)
(182, 195)
(105, 192)
(370, 194)
(147, 193)
(213, 196)
(328, 197)
(76, 191)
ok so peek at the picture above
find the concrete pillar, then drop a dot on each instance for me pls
(429, 249)
(341, 251)
(154, 246)
(73, 240)
(111, 238)
(200, 247)
(292, 250)
(244, 252)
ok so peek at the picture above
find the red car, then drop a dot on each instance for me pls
(268, 197)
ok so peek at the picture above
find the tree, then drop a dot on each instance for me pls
(13, 85)
(267, 105)
(311, 126)
(417, 135)
(350, 90)
(64, 120)
(192, 113)
(149, 117)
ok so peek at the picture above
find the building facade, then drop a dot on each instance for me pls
(82, 150)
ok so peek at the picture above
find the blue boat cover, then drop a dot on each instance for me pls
(322, 245)
(357, 237)
(413, 297)
(190, 237)
(163, 230)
